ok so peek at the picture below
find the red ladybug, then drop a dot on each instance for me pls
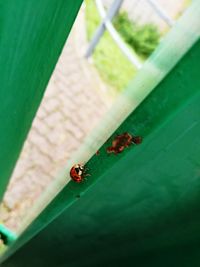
(78, 173)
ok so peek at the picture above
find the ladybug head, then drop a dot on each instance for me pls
(79, 168)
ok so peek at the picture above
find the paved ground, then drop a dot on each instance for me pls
(74, 101)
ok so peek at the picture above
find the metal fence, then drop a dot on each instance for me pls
(106, 24)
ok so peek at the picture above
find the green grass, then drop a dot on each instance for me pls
(2, 249)
(114, 68)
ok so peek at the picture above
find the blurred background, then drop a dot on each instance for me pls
(109, 43)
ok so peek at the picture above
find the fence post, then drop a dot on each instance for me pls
(32, 36)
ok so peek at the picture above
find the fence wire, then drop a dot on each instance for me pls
(159, 12)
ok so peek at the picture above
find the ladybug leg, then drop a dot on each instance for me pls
(85, 176)
(86, 169)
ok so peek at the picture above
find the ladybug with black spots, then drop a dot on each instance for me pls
(78, 173)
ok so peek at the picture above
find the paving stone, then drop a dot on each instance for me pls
(41, 142)
(41, 127)
(57, 135)
(52, 104)
(54, 118)
(41, 114)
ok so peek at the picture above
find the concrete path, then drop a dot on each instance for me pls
(74, 102)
